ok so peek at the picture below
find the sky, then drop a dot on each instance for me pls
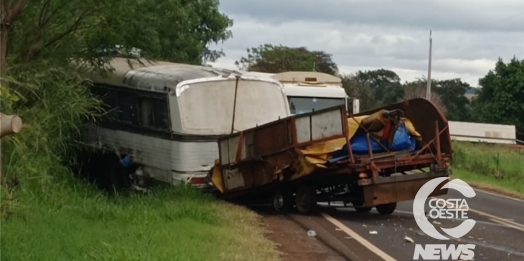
(468, 35)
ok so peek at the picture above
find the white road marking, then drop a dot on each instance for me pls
(493, 194)
(494, 218)
(358, 238)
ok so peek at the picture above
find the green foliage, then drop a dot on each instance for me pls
(385, 84)
(373, 88)
(489, 164)
(355, 88)
(501, 98)
(172, 30)
(53, 103)
(381, 87)
(418, 89)
(452, 93)
(277, 58)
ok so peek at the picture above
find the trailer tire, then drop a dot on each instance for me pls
(282, 201)
(386, 209)
(363, 209)
(305, 200)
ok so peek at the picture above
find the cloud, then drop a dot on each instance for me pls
(373, 34)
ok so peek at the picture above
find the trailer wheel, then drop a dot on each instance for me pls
(305, 199)
(386, 209)
(363, 209)
(282, 201)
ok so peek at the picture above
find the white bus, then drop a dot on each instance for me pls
(308, 91)
(167, 117)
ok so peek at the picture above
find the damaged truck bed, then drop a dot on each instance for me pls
(373, 159)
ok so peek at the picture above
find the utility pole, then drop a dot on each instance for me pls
(428, 91)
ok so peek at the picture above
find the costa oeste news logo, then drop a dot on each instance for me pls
(443, 209)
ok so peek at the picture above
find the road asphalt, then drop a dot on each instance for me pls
(498, 233)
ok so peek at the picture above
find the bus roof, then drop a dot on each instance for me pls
(302, 78)
(300, 91)
(157, 75)
(311, 78)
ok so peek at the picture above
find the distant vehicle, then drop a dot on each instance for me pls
(313, 91)
(166, 118)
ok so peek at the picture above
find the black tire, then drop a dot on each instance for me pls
(282, 201)
(386, 209)
(305, 200)
(363, 209)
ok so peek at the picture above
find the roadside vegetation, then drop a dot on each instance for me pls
(46, 212)
(49, 214)
(77, 222)
(498, 168)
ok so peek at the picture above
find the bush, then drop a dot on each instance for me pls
(53, 103)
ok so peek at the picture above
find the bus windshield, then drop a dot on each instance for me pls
(300, 105)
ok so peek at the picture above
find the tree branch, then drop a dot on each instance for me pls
(71, 29)
(14, 10)
(43, 13)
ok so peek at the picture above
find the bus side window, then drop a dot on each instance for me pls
(128, 106)
(111, 101)
(153, 113)
(160, 112)
(146, 112)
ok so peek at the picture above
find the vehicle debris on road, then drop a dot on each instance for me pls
(409, 239)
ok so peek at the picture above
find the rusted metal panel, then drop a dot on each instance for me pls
(397, 189)
(271, 138)
(257, 156)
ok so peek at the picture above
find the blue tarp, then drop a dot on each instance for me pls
(402, 141)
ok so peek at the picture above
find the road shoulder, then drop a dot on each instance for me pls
(293, 242)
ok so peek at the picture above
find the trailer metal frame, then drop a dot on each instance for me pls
(263, 162)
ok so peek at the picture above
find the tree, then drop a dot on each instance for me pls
(275, 59)
(501, 97)
(10, 11)
(385, 84)
(418, 89)
(452, 93)
(356, 88)
(171, 30)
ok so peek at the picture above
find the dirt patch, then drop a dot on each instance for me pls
(294, 243)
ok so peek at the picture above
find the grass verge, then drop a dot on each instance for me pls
(498, 168)
(79, 223)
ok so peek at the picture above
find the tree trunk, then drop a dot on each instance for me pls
(10, 11)
(4, 33)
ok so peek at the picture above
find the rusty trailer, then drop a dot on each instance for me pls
(328, 155)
